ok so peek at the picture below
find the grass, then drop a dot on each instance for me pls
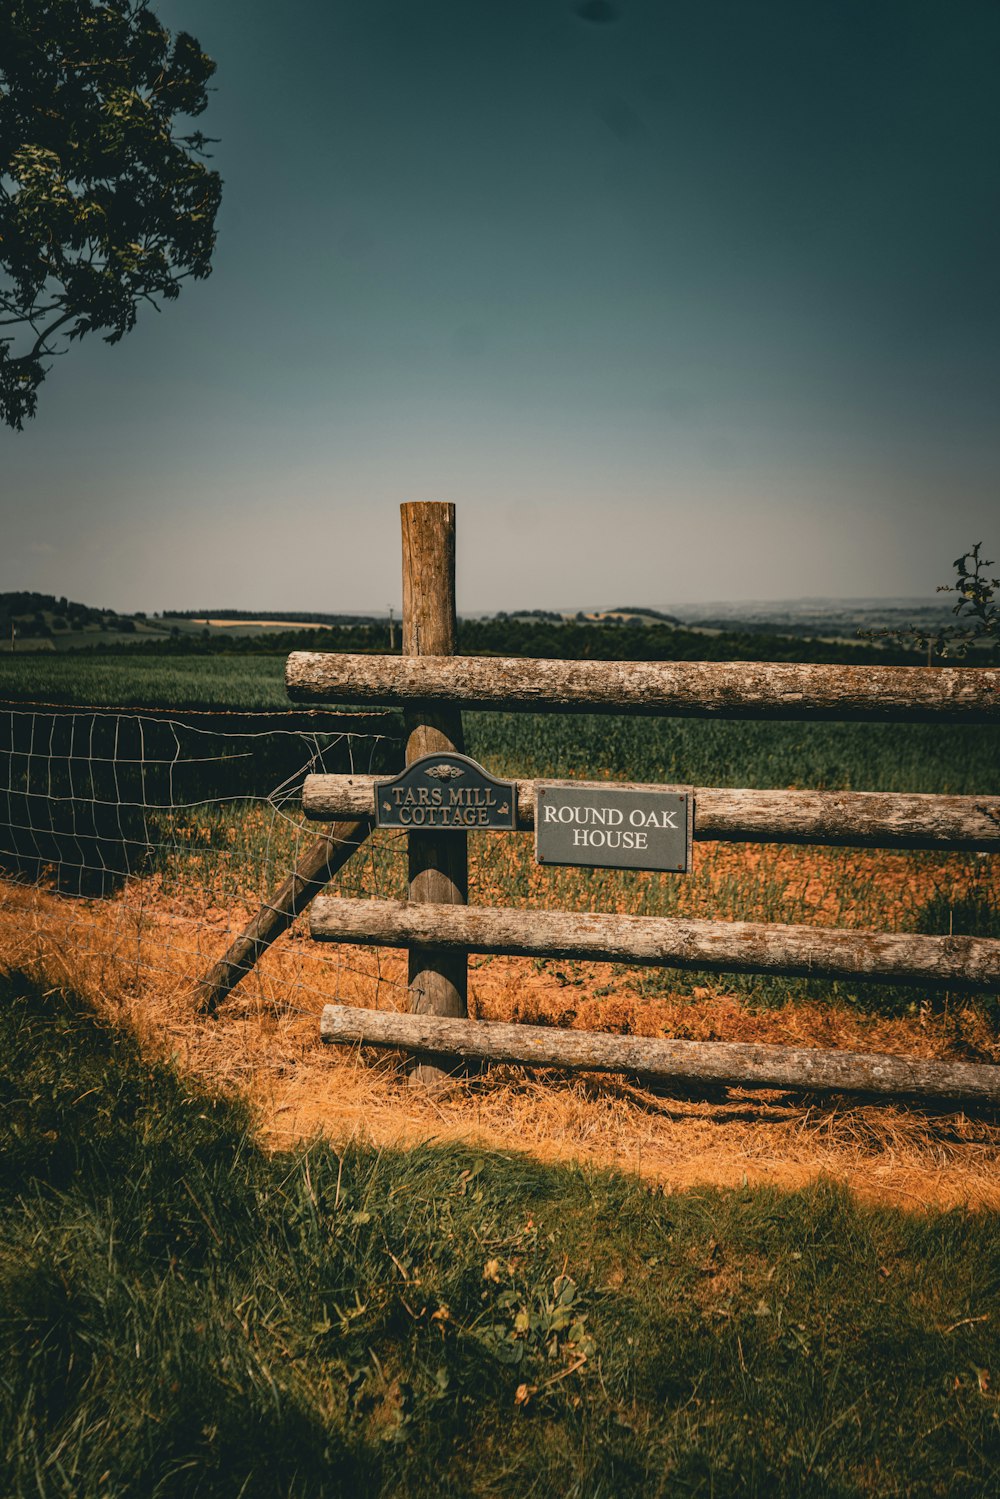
(135, 960)
(960, 759)
(200, 682)
(184, 1314)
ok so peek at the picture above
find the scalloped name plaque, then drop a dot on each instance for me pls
(446, 793)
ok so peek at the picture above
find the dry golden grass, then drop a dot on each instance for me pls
(136, 959)
(874, 888)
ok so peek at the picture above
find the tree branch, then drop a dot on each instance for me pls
(39, 345)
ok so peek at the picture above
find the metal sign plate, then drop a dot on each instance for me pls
(613, 827)
(446, 793)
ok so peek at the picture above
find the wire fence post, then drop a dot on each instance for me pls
(438, 862)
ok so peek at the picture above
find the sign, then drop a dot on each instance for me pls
(446, 792)
(613, 827)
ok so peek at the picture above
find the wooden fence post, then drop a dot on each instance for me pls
(438, 862)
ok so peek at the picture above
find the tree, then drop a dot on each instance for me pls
(103, 204)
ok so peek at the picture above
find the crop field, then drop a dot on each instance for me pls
(863, 757)
(193, 682)
(188, 791)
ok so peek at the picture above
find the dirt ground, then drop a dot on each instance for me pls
(137, 959)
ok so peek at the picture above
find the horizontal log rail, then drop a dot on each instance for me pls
(863, 819)
(736, 1063)
(665, 941)
(699, 689)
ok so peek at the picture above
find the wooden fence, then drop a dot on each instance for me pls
(437, 927)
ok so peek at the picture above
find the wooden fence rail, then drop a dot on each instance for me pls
(743, 1064)
(691, 689)
(856, 818)
(663, 941)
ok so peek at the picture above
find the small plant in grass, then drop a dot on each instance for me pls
(543, 1321)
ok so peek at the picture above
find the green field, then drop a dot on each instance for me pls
(184, 1315)
(247, 682)
(879, 757)
(862, 757)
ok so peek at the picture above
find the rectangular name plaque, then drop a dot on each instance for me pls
(613, 827)
(446, 793)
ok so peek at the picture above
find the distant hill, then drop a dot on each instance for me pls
(639, 614)
(818, 619)
(41, 621)
(806, 630)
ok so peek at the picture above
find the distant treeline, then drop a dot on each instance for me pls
(293, 616)
(513, 637)
(42, 614)
(549, 614)
(15, 604)
(640, 612)
(535, 632)
(628, 642)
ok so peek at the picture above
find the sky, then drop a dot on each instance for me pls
(675, 302)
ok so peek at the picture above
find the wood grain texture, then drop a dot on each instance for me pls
(702, 689)
(859, 818)
(438, 863)
(428, 533)
(320, 862)
(739, 1063)
(670, 942)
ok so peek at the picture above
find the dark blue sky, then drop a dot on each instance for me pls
(699, 303)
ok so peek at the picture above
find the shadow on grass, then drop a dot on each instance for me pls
(182, 1314)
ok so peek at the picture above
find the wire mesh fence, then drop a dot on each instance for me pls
(152, 838)
(90, 797)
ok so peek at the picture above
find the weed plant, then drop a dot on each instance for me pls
(182, 1314)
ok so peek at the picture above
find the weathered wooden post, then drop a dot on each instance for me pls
(438, 862)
